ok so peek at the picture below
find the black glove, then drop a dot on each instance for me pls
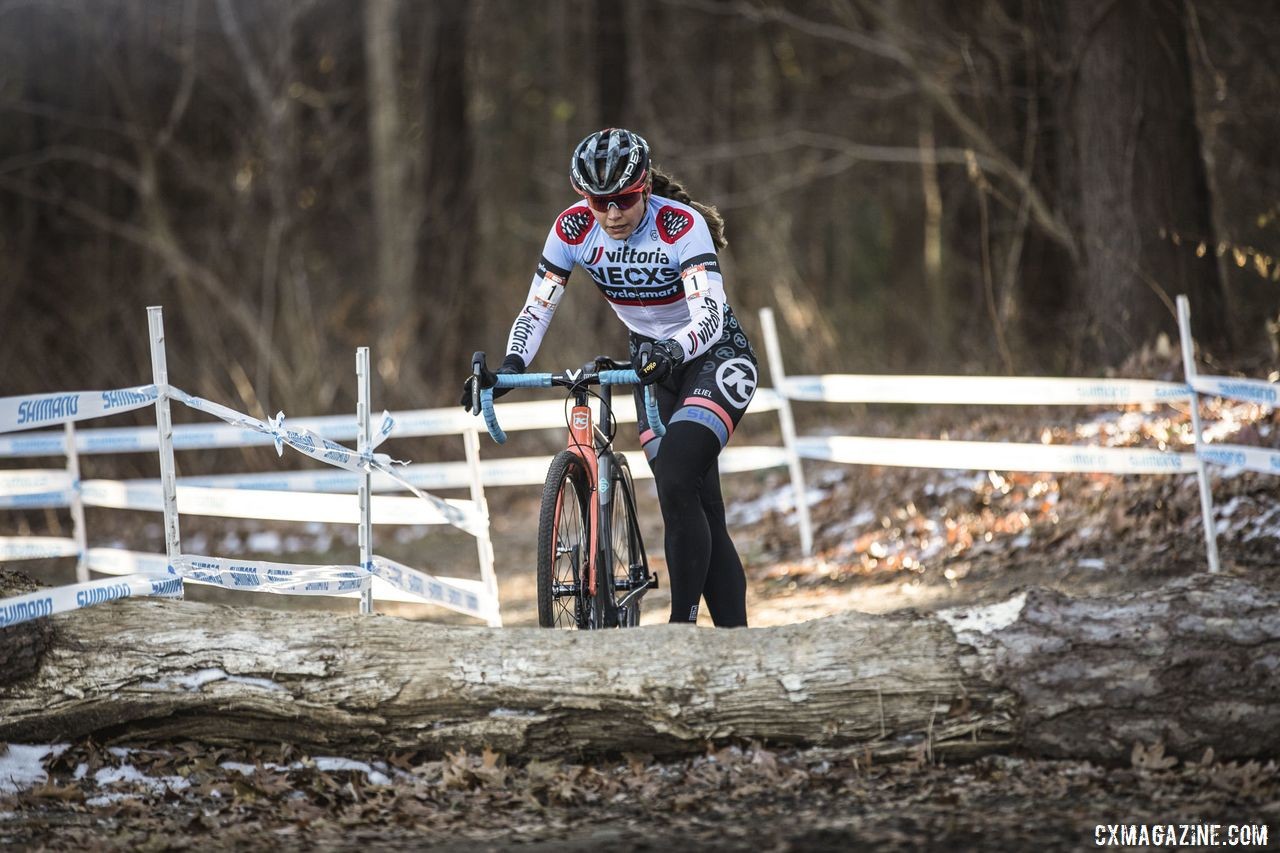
(511, 364)
(654, 362)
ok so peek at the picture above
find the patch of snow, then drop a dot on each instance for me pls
(984, 620)
(22, 765)
(262, 683)
(249, 769)
(330, 764)
(512, 712)
(200, 678)
(1091, 563)
(127, 774)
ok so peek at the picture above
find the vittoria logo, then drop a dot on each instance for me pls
(673, 223)
(573, 225)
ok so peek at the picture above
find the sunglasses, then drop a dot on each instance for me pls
(623, 201)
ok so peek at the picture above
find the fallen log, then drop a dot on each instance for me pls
(1192, 665)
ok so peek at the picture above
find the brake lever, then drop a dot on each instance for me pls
(477, 370)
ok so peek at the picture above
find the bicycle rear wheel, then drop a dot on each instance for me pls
(630, 566)
(564, 544)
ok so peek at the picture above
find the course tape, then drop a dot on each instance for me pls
(1239, 456)
(1243, 390)
(300, 439)
(993, 456)
(36, 547)
(318, 447)
(454, 593)
(285, 505)
(42, 410)
(32, 481)
(63, 599)
(982, 390)
(39, 500)
(516, 416)
(280, 578)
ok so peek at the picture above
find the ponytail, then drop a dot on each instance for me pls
(668, 187)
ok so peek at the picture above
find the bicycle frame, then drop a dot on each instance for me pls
(591, 446)
(594, 449)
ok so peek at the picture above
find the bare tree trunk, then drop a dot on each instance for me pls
(1131, 122)
(396, 208)
(1194, 665)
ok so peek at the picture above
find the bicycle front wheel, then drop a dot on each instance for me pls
(630, 566)
(564, 544)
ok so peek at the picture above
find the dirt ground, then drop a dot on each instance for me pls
(885, 539)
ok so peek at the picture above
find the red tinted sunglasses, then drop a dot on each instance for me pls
(624, 201)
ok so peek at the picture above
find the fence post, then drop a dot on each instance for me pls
(164, 428)
(77, 505)
(364, 438)
(1202, 473)
(779, 377)
(484, 543)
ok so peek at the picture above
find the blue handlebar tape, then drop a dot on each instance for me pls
(523, 380)
(490, 416)
(618, 377)
(651, 412)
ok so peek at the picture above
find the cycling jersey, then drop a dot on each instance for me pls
(663, 281)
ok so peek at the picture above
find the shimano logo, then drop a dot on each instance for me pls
(90, 597)
(1177, 392)
(116, 399)
(168, 587)
(335, 452)
(48, 408)
(1248, 392)
(1164, 462)
(244, 576)
(1103, 392)
(1087, 459)
(1223, 457)
(23, 611)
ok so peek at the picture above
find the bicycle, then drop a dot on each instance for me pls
(592, 568)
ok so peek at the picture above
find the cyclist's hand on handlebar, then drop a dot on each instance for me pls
(654, 362)
(511, 364)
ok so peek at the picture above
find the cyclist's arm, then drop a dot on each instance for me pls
(544, 295)
(703, 291)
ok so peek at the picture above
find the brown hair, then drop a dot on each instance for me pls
(668, 187)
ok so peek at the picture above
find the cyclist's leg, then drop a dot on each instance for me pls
(725, 588)
(687, 452)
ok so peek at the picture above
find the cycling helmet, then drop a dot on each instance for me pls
(609, 162)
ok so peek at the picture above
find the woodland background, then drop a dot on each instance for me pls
(979, 185)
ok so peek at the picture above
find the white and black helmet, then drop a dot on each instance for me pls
(609, 162)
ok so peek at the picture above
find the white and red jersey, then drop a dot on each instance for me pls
(663, 281)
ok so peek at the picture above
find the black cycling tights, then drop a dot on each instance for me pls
(701, 559)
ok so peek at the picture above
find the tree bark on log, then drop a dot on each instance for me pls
(1192, 665)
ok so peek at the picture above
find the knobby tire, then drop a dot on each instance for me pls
(564, 542)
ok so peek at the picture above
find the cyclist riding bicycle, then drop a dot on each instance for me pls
(651, 251)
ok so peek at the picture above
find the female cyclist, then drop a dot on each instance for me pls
(651, 251)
